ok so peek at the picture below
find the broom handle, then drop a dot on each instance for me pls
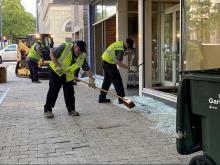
(85, 82)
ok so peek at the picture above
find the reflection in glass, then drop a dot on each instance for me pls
(104, 9)
(108, 11)
(168, 42)
(155, 46)
(97, 13)
(201, 45)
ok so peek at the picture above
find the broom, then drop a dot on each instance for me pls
(126, 101)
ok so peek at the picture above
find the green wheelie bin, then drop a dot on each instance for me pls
(198, 116)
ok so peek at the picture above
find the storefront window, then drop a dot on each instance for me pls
(104, 9)
(97, 12)
(201, 43)
(68, 27)
(156, 41)
(109, 8)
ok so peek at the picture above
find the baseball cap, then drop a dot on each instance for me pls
(82, 45)
(130, 43)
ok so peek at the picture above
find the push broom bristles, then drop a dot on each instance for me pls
(128, 102)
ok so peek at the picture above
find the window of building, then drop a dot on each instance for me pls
(68, 27)
(109, 8)
(104, 9)
(156, 41)
(202, 21)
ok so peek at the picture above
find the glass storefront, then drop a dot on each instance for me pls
(156, 41)
(201, 42)
(104, 29)
(97, 10)
(165, 43)
(104, 9)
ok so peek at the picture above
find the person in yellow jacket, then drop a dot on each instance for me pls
(112, 57)
(66, 59)
(34, 55)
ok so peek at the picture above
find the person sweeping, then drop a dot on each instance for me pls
(66, 59)
(112, 57)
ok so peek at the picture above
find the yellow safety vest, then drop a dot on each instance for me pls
(109, 55)
(65, 60)
(34, 54)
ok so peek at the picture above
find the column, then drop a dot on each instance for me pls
(141, 43)
(122, 33)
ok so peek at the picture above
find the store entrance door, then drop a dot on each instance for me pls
(171, 46)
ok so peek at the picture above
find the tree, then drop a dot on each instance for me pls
(16, 21)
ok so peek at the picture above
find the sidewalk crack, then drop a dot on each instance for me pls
(80, 147)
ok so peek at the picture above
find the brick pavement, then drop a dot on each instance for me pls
(103, 133)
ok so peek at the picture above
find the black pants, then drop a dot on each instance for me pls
(55, 83)
(76, 73)
(33, 67)
(111, 75)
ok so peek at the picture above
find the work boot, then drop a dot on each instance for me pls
(36, 81)
(120, 101)
(73, 113)
(104, 100)
(48, 114)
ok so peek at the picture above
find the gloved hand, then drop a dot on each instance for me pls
(59, 69)
(133, 68)
(92, 82)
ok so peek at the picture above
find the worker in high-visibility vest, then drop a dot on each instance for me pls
(112, 57)
(34, 55)
(66, 59)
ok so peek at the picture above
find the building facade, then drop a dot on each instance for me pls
(55, 19)
(156, 29)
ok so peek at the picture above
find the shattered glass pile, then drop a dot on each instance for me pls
(162, 115)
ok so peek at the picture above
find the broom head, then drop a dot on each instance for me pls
(128, 102)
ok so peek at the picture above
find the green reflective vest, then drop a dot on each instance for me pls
(65, 60)
(34, 54)
(109, 55)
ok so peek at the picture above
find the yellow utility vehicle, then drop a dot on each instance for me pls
(24, 45)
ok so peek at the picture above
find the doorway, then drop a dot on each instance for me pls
(170, 46)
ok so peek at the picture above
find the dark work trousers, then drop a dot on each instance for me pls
(33, 67)
(76, 73)
(55, 83)
(112, 75)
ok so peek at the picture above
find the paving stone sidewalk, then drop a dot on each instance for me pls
(102, 134)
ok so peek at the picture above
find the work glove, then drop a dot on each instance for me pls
(92, 82)
(133, 68)
(59, 69)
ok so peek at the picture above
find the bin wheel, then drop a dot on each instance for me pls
(201, 160)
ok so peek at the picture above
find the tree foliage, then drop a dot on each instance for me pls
(203, 17)
(16, 21)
